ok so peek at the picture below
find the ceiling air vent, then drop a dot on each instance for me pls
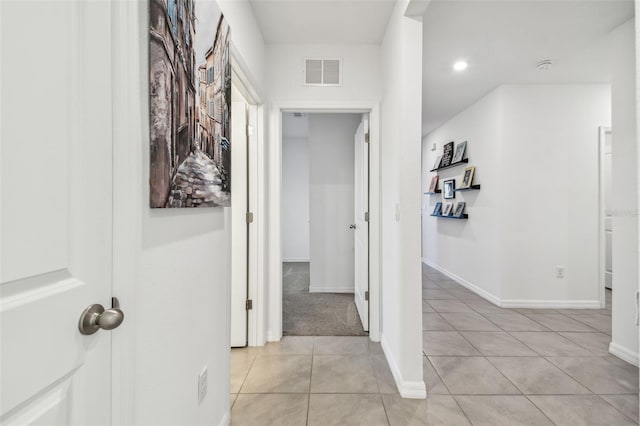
(322, 72)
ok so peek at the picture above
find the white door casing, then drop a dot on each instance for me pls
(608, 218)
(56, 214)
(361, 231)
(273, 252)
(239, 231)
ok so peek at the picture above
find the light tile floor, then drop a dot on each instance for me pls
(483, 365)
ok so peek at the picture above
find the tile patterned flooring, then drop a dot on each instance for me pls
(483, 365)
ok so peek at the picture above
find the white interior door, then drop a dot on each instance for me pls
(239, 226)
(56, 214)
(361, 231)
(608, 220)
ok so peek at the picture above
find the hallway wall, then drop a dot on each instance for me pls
(624, 140)
(295, 188)
(535, 149)
(179, 265)
(401, 130)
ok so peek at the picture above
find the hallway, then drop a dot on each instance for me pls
(483, 365)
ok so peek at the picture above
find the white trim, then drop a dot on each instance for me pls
(226, 419)
(273, 337)
(275, 207)
(516, 303)
(323, 289)
(477, 290)
(296, 259)
(407, 389)
(624, 353)
(551, 304)
(128, 22)
(602, 131)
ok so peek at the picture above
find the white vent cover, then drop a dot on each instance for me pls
(322, 72)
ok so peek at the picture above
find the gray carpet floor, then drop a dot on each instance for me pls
(315, 314)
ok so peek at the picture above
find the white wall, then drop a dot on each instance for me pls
(468, 249)
(361, 84)
(401, 130)
(295, 188)
(550, 186)
(171, 267)
(361, 78)
(625, 194)
(331, 198)
(535, 149)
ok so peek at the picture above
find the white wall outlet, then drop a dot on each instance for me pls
(560, 271)
(397, 212)
(433, 147)
(202, 384)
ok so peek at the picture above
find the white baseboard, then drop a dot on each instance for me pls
(515, 303)
(226, 419)
(624, 353)
(407, 389)
(474, 288)
(551, 304)
(322, 289)
(271, 337)
(296, 259)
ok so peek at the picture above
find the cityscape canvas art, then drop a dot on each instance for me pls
(189, 104)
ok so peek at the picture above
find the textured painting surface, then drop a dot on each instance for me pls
(189, 105)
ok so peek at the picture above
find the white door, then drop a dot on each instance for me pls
(608, 220)
(56, 189)
(361, 231)
(239, 231)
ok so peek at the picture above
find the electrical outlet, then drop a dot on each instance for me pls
(202, 384)
(560, 271)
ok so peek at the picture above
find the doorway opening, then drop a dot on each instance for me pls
(325, 232)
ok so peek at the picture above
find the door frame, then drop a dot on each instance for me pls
(274, 321)
(602, 132)
(255, 231)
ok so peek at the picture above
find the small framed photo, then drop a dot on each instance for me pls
(459, 211)
(449, 189)
(459, 154)
(434, 184)
(437, 211)
(446, 210)
(447, 154)
(467, 178)
(436, 165)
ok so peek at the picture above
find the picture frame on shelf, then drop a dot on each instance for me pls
(449, 189)
(437, 210)
(436, 165)
(447, 154)
(459, 211)
(459, 154)
(467, 177)
(433, 187)
(446, 210)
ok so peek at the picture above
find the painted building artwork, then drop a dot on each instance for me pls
(189, 105)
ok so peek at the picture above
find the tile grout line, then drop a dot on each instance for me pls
(591, 328)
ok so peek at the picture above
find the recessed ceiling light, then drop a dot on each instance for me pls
(460, 66)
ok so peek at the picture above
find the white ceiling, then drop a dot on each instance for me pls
(504, 40)
(322, 21)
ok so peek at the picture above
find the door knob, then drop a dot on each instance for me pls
(352, 226)
(95, 317)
